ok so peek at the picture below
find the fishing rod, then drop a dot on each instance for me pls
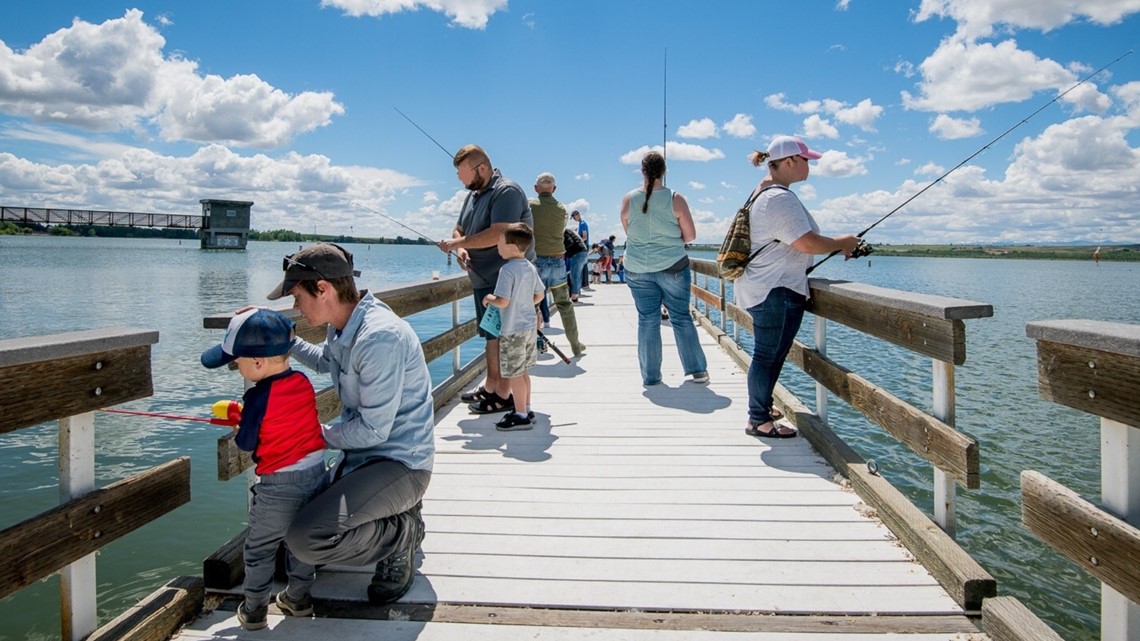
(229, 421)
(665, 111)
(363, 206)
(862, 249)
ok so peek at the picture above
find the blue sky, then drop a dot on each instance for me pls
(154, 105)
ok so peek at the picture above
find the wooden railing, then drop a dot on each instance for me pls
(224, 568)
(1094, 367)
(929, 325)
(66, 377)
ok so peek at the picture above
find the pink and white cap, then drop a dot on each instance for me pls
(787, 146)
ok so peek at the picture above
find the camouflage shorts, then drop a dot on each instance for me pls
(517, 353)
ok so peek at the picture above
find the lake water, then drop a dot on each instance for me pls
(53, 285)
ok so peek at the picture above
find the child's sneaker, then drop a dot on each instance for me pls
(255, 619)
(301, 607)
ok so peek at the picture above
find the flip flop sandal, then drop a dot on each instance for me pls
(754, 430)
(492, 403)
(476, 395)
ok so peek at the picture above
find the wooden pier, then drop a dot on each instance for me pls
(627, 513)
(636, 512)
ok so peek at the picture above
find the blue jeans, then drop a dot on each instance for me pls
(650, 291)
(277, 498)
(775, 323)
(576, 264)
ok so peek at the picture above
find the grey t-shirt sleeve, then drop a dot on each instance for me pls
(786, 218)
(509, 205)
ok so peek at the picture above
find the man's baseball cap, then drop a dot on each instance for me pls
(323, 261)
(252, 334)
(788, 146)
(545, 178)
(575, 213)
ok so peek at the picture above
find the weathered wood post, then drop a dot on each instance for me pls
(945, 511)
(77, 606)
(1094, 366)
(821, 347)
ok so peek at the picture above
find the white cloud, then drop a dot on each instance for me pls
(1075, 182)
(528, 20)
(837, 164)
(114, 77)
(930, 169)
(472, 14)
(696, 186)
(430, 197)
(740, 126)
(968, 77)
(585, 176)
(816, 127)
(288, 192)
(676, 151)
(862, 115)
(703, 128)
(977, 18)
(948, 128)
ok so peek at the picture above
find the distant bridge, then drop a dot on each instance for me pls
(51, 216)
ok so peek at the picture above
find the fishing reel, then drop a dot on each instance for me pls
(862, 249)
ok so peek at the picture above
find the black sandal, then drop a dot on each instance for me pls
(512, 421)
(754, 430)
(477, 394)
(492, 403)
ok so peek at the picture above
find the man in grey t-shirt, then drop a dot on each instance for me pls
(494, 203)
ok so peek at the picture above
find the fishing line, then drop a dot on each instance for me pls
(212, 421)
(866, 249)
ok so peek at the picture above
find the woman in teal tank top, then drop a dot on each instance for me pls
(657, 224)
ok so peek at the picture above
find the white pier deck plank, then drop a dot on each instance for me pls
(624, 498)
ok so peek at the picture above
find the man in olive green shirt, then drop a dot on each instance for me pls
(549, 221)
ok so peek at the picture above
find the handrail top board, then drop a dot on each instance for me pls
(37, 349)
(941, 307)
(1117, 338)
(222, 321)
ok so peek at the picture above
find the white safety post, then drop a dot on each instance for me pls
(455, 356)
(944, 490)
(723, 306)
(77, 478)
(1120, 494)
(821, 347)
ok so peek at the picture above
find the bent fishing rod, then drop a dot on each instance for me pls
(862, 249)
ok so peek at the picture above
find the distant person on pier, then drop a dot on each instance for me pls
(774, 286)
(584, 234)
(658, 224)
(550, 250)
(517, 291)
(576, 254)
(278, 424)
(493, 203)
(371, 512)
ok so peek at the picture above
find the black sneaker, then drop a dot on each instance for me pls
(393, 577)
(512, 422)
(255, 619)
(301, 607)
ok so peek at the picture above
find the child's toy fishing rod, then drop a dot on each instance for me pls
(227, 413)
(863, 249)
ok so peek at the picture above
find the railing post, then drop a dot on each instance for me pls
(821, 347)
(1120, 493)
(723, 306)
(944, 490)
(76, 478)
(455, 355)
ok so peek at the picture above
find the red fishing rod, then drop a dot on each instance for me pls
(862, 249)
(228, 413)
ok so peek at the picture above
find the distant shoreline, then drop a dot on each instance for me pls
(1110, 253)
